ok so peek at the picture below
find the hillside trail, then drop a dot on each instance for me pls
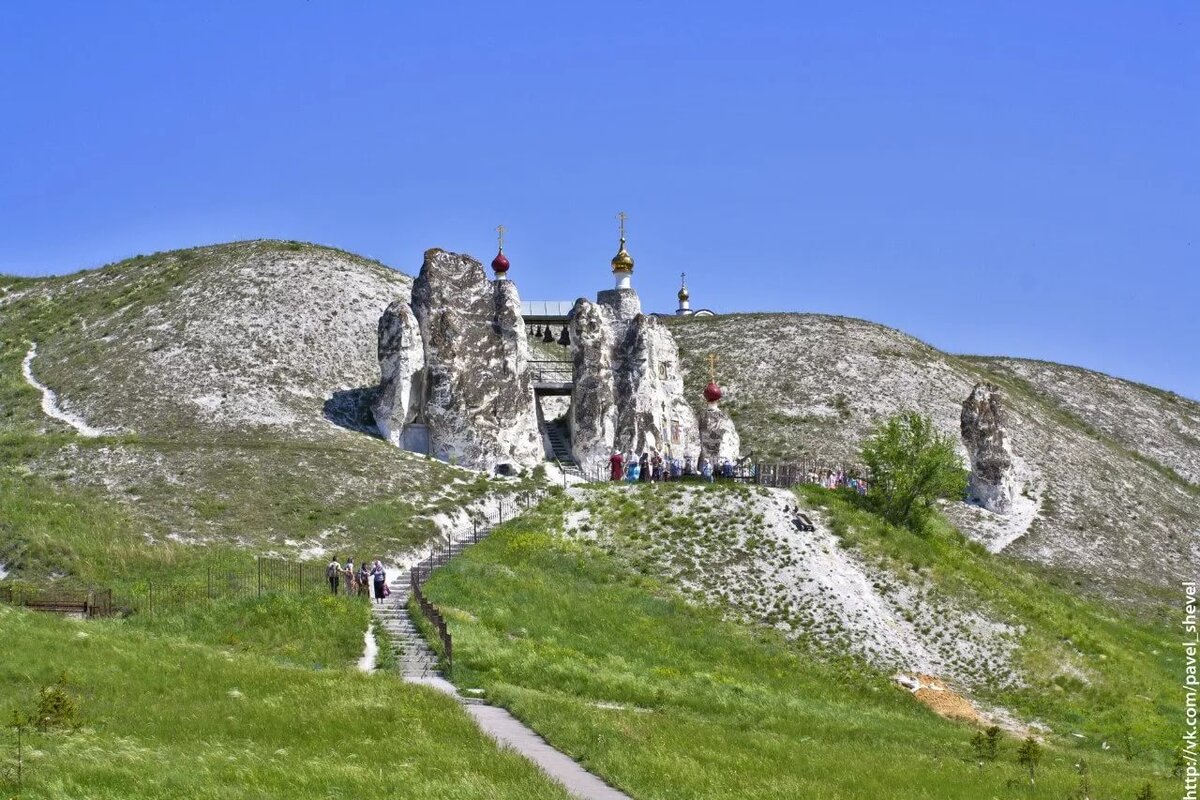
(419, 664)
(50, 406)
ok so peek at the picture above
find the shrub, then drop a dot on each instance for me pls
(56, 706)
(987, 743)
(1029, 755)
(912, 466)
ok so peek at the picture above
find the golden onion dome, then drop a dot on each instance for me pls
(683, 294)
(622, 261)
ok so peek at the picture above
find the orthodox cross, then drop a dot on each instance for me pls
(683, 279)
(712, 367)
(500, 235)
(622, 216)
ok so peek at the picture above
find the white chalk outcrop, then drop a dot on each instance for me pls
(468, 395)
(719, 438)
(982, 423)
(402, 366)
(628, 393)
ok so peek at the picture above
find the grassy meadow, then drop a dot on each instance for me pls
(252, 699)
(669, 699)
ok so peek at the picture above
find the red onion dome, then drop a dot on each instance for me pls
(500, 263)
(712, 392)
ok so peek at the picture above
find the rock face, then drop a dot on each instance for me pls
(622, 305)
(718, 437)
(983, 432)
(593, 417)
(473, 394)
(628, 391)
(652, 413)
(402, 368)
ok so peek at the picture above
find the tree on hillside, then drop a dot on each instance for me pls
(911, 465)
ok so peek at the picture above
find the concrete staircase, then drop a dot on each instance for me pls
(419, 664)
(560, 442)
(415, 658)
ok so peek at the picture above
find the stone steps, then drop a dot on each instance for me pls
(414, 656)
(560, 443)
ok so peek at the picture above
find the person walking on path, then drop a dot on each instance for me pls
(348, 572)
(656, 467)
(332, 572)
(364, 588)
(380, 576)
(616, 466)
(644, 473)
(706, 470)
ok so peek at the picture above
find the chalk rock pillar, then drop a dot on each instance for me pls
(652, 413)
(401, 368)
(593, 416)
(983, 423)
(478, 398)
(718, 437)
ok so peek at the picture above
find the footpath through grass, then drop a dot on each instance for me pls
(668, 700)
(252, 699)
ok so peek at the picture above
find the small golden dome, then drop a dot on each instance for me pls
(622, 261)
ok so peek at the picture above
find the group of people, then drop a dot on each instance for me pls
(652, 467)
(358, 582)
(837, 479)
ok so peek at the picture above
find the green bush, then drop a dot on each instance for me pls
(912, 466)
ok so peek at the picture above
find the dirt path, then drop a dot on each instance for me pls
(50, 405)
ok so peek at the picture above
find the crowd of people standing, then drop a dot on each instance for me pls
(366, 581)
(652, 467)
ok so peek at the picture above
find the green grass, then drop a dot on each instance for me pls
(1114, 650)
(178, 710)
(666, 699)
(315, 630)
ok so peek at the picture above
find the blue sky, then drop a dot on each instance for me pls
(1007, 178)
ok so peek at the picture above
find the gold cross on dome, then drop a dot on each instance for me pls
(712, 367)
(500, 235)
(621, 215)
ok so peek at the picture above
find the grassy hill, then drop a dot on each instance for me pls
(1111, 501)
(206, 706)
(669, 640)
(597, 640)
(228, 382)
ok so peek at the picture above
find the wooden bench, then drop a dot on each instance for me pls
(57, 605)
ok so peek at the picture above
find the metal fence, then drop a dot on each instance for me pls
(220, 581)
(552, 371)
(481, 525)
(781, 475)
(819, 473)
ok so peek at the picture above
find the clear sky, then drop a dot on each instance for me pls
(1016, 178)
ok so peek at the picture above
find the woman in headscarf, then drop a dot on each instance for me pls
(380, 578)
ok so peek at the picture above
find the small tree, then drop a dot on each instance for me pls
(912, 466)
(987, 743)
(1084, 792)
(1146, 793)
(1029, 755)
